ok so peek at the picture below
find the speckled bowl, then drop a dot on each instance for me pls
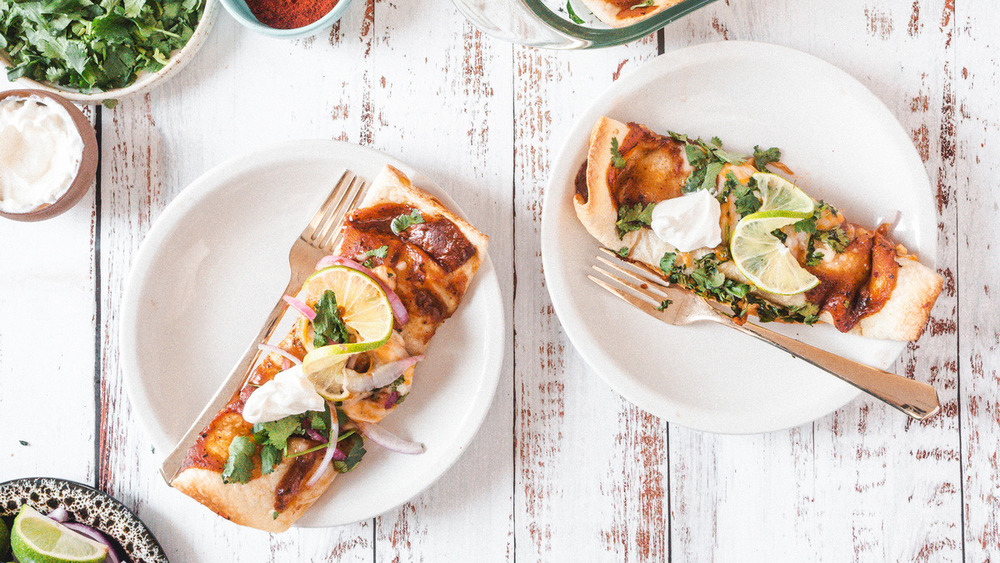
(87, 506)
(88, 166)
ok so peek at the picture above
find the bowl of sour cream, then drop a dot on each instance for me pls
(48, 155)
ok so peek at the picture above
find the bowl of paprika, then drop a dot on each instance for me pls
(288, 19)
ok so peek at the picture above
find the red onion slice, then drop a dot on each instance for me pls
(280, 352)
(59, 515)
(380, 376)
(301, 307)
(388, 440)
(97, 536)
(331, 448)
(398, 309)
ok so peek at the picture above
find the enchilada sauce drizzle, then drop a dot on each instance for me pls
(859, 281)
(631, 8)
(655, 168)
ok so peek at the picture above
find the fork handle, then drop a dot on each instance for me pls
(917, 399)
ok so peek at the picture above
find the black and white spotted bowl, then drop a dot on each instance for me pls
(87, 506)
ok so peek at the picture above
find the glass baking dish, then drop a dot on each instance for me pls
(551, 23)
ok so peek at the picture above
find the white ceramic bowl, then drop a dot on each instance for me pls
(144, 82)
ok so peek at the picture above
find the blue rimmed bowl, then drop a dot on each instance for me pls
(239, 10)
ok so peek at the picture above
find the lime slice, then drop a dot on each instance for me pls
(362, 303)
(324, 367)
(37, 539)
(779, 194)
(764, 259)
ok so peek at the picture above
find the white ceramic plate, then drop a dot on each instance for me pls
(146, 81)
(845, 147)
(212, 267)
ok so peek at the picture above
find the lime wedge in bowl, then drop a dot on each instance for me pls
(38, 539)
(764, 259)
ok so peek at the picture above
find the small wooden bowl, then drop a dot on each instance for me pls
(88, 165)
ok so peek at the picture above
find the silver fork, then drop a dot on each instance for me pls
(319, 238)
(653, 295)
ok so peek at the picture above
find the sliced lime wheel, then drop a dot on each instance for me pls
(764, 259)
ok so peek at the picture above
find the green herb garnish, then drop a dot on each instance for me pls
(379, 252)
(572, 14)
(664, 304)
(761, 158)
(239, 464)
(644, 4)
(633, 217)
(87, 45)
(623, 251)
(328, 327)
(617, 160)
(354, 449)
(403, 222)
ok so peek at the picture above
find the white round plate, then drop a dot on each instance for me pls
(845, 147)
(209, 272)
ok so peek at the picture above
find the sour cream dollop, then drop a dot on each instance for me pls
(40, 153)
(290, 392)
(688, 222)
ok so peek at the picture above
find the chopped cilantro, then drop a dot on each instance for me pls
(643, 4)
(623, 251)
(274, 514)
(633, 217)
(746, 199)
(813, 258)
(572, 14)
(353, 447)
(239, 465)
(24, 442)
(329, 328)
(617, 160)
(379, 252)
(270, 457)
(836, 238)
(664, 304)
(711, 176)
(403, 222)
(277, 433)
(761, 158)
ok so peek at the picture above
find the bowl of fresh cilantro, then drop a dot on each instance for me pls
(100, 50)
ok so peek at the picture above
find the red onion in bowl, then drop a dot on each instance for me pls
(59, 515)
(301, 307)
(97, 536)
(398, 309)
(388, 440)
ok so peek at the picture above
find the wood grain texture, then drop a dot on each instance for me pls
(47, 316)
(590, 473)
(978, 202)
(875, 486)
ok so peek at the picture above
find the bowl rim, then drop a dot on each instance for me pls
(178, 59)
(334, 15)
(86, 173)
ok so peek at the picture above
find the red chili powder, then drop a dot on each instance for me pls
(289, 14)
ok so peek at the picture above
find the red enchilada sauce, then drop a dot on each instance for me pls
(655, 168)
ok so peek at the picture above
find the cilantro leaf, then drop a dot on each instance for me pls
(712, 176)
(354, 449)
(572, 14)
(746, 201)
(761, 157)
(664, 304)
(278, 432)
(623, 251)
(329, 328)
(403, 222)
(633, 217)
(617, 160)
(836, 238)
(270, 457)
(239, 464)
(379, 252)
(643, 4)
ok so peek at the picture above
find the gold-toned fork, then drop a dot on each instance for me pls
(319, 238)
(653, 295)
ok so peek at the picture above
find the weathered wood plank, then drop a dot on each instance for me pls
(443, 104)
(47, 337)
(978, 203)
(242, 92)
(876, 486)
(590, 471)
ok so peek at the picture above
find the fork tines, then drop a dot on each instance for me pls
(324, 228)
(647, 294)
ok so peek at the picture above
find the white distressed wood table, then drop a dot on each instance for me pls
(563, 469)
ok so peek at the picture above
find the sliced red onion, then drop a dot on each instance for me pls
(314, 435)
(277, 350)
(97, 536)
(59, 515)
(331, 449)
(301, 307)
(392, 399)
(380, 376)
(339, 455)
(388, 440)
(398, 309)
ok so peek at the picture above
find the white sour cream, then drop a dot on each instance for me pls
(40, 153)
(290, 392)
(688, 222)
